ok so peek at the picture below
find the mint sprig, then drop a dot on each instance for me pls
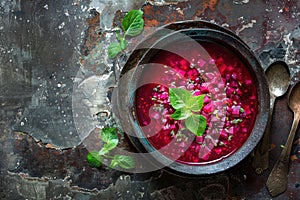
(123, 161)
(132, 25)
(110, 138)
(186, 107)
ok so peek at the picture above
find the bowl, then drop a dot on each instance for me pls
(199, 62)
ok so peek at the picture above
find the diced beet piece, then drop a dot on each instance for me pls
(206, 99)
(236, 110)
(218, 150)
(223, 134)
(248, 82)
(210, 75)
(193, 74)
(208, 108)
(197, 93)
(199, 139)
(201, 62)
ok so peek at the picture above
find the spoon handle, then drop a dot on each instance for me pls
(277, 180)
(261, 154)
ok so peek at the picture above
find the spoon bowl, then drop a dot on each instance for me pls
(278, 77)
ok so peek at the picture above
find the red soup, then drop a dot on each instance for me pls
(230, 103)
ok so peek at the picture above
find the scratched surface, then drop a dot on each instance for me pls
(55, 79)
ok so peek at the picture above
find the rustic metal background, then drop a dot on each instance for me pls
(43, 46)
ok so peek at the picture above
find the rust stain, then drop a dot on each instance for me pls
(147, 11)
(207, 4)
(212, 4)
(50, 146)
(159, 15)
(165, 14)
(286, 9)
(91, 35)
(152, 22)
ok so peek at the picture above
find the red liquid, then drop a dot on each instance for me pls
(230, 105)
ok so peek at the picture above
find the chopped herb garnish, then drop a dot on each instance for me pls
(236, 121)
(172, 133)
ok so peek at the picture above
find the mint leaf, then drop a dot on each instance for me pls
(114, 49)
(133, 23)
(108, 134)
(196, 124)
(94, 159)
(126, 162)
(103, 151)
(181, 114)
(108, 146)
(123, 44)
(179, 97)
(111, 144)
(114, 163)
(196, 103)
(118, 36)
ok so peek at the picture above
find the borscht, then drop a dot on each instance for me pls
(230, 102)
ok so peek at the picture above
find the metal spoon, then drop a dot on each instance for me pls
(277, 180)
(278, 77)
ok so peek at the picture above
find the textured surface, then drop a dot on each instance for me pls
(52, 52)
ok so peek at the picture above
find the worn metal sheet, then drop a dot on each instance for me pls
(48, 48)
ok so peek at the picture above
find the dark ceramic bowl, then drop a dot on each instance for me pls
(124, 104)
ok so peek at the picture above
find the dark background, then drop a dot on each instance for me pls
(48, 47)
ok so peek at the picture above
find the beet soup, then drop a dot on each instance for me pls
(230, 103)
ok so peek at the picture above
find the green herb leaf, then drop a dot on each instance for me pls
(103, 151)
(181, 114)
(196, 103)
(126, 162)
(114, 49)
(179, 98)
(123, 44)
(114, 163)
(111, 144)
(196, 124)
(236, 121)
(133, 23)
(119, 37)
(108, 146)
(108, 134)
(94, 159)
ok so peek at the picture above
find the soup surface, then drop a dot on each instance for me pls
(230, 102)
